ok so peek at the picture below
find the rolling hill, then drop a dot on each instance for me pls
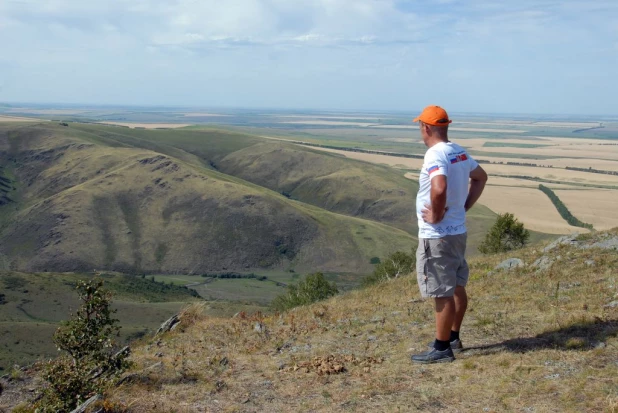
(99, 197)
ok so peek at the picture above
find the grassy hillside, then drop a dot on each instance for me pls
(86, 204)
(32, 305)
(534, 341)
(326, 180)
(329, 181)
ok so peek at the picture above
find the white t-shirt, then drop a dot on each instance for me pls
(451, 160)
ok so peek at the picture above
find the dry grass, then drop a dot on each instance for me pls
(535, 341)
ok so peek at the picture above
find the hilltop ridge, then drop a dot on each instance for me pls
(536, 339)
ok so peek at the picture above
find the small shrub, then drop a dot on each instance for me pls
(89, 363)
(374, 260)
(506, 234)
(313, 288)
(395, 265)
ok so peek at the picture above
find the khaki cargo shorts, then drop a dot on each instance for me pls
(441, 265)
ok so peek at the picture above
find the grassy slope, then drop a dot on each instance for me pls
(34, 304)
(532, 344)
(88, 205)
(326, 180)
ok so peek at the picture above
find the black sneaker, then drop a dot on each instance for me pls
(456, 345)
(434, 356)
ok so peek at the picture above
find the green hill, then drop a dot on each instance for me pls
(86, 202)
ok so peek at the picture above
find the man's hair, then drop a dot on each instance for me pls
(441, 131)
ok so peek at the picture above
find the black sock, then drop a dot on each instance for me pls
(454, 335)
(441, 345)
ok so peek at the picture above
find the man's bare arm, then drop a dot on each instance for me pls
(478, 178)
(434, 213)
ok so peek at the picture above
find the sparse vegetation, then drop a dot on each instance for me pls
(532, 342)
(313, 288)
(506, 234)
(89, 362)
(395, 265)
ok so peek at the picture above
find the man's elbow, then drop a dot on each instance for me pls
(479, 175)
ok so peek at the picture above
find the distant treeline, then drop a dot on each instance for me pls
(521, 164)
(236, 275)
(555, 181)
(563, 210)
(596, 171)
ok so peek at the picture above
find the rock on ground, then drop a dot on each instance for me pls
(510, 264)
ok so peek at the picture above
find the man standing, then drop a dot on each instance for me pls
(450, 183)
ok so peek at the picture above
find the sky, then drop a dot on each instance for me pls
(525, 56)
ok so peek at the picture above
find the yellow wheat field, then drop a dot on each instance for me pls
(149, 125)
(593, 206)
(19, 119)
(603, 164)
(530, 206)
(394, 161)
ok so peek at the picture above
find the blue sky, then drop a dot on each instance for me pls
(556, 57)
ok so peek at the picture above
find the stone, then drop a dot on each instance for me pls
(543, 263)
(613, 304)
(82, 408)
(608, 244)
(590, 263)
(169, 325)
(564, 240)
(510, 264)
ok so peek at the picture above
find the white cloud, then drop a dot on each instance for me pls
(381, 52)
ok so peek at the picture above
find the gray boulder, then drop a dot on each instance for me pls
(510, 264)
(564, 240)
(543, 263)
(608, 244)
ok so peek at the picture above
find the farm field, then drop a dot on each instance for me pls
(553, 144)
(148, 125)
(505, 193)
(530, 206)
(17, 119)
(593, 206)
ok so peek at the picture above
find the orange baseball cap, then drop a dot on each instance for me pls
(433, 115)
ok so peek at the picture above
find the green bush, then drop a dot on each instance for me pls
(313, 288)
(506, 234)
(89, 363)
(395, 265)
